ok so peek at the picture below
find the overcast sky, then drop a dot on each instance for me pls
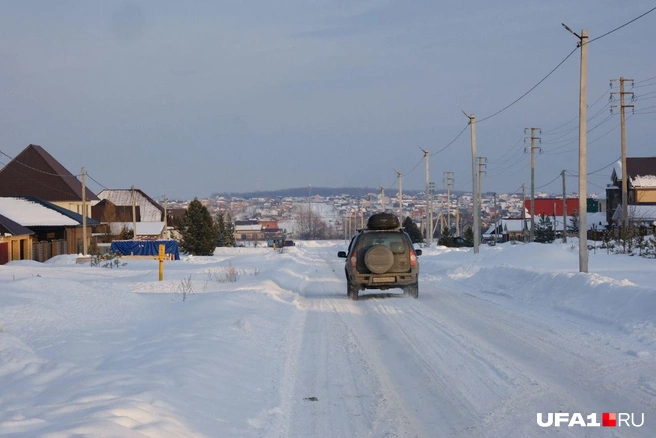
(190, 98)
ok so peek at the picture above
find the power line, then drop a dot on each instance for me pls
(92, 179)
(605, 167)
(544, 185)
(499, 157)
(572, 173)
(452, 141)
(644, 85)
(551, 151)
(575, 128)
(561, 63)
(531, 89)
(645, 80)
(624, 25)
(646, 108)
(49, 186)
(575, 117)
(38, 170)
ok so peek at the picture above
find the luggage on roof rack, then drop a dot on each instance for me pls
(383, 221)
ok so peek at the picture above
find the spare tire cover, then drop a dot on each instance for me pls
(379, 259)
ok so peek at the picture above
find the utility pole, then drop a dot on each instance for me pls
(477, 207)
(166, 225)
(482, 165)
(400, 175)
(449, 183)
(458, 233)
(429, 219)
(496, 219)
(350, 228)
(583, 157)
(309, 212)
(382, 198)
(625, 183)
(433, 222)
(134, 215)
(84, 211)
(523, 212)
(533, 148)
(564, 209)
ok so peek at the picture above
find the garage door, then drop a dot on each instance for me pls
(4, 253)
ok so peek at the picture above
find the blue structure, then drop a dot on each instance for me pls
(145, 247)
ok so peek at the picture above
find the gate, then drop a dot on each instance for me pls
(4, 253)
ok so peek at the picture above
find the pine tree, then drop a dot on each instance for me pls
(573, 227)
(469, 237)
(200, 231)
(229, 238)
(446, 239)
(413, 230)
(544, 230)
(220, 227)
(225, 230)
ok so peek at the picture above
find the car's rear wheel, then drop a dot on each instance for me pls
(412, 290)
(352, 291)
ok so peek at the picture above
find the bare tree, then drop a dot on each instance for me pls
(309, 225)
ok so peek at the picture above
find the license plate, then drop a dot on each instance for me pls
(383, 280)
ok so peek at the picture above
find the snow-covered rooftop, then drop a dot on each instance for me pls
(143, 228)
(644, 181)
(28, 213)
(637, 212)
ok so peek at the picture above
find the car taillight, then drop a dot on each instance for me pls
(354, 260)
(413, 258)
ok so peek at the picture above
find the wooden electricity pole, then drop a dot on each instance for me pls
(84, 211)
(134, 215)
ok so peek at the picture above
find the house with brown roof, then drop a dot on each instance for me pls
(34, 172)
(641, 185)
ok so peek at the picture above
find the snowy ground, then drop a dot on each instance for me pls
(492, 340)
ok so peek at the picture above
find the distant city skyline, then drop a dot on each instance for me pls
(187, 100)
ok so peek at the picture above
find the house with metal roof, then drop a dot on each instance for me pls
(149, 210)
(34, 172)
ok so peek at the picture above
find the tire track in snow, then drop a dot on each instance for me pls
(327, 359)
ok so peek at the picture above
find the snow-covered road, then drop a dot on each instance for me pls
(456, 362)
(282, 352)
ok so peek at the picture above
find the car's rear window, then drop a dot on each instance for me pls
(394, 241)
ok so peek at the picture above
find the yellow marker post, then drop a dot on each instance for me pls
(162, 255)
